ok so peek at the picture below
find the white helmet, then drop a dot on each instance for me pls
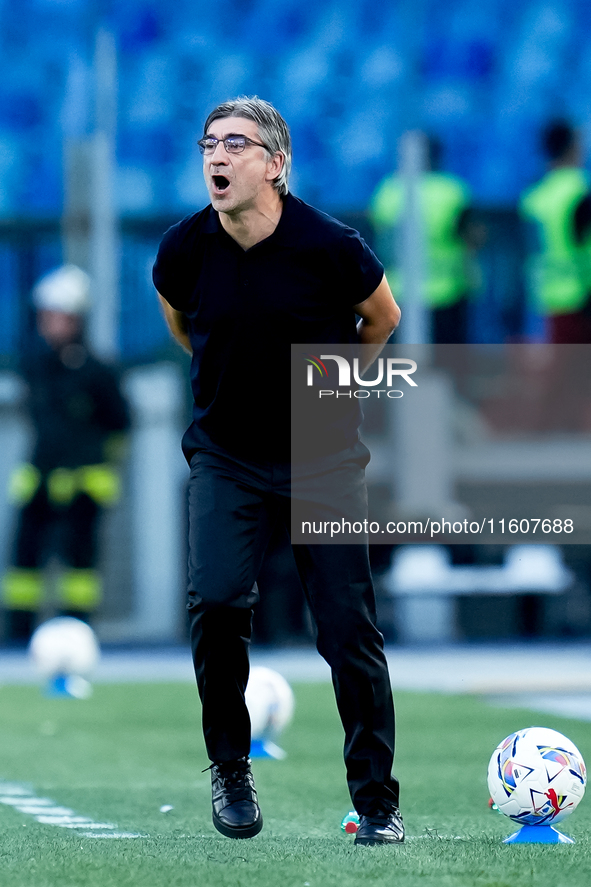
(67, 289)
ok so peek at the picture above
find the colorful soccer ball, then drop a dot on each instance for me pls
(536, 776)
(64, 646)
(270, 702)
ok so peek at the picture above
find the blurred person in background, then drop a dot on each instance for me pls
(239, 282)
(451, 239)
(557, 211)
(79, 417)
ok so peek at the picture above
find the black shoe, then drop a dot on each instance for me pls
(381, 829)
(236, 812)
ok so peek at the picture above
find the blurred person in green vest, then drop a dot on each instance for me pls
(78, 416)
(451, 238)
(558, 212)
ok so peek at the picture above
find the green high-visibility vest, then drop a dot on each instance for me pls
(559, 274)
(443, 198)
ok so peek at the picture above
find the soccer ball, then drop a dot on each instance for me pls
(536, 776)
(270, 702)
(64, 646)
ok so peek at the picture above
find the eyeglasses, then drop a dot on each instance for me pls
(234, 144)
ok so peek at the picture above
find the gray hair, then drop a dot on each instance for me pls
(273, 129)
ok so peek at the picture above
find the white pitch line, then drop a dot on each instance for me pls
(435, 838)
(73, 822)
(12, 789)
(18, 800)
(112, 835)
(36, 810)
(47, 812)
(15, 800)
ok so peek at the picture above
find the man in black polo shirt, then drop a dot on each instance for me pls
(239, 282)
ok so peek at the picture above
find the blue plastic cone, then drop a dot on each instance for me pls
(57, 686)
(538, 834)
(264, 748)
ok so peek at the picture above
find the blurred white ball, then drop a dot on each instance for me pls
(64, 646)
(270, 702)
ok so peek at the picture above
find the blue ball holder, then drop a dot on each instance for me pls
(538, 834)
(264, 748)
(57, 687)
(63, 686)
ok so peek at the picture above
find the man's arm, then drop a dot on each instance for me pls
(177, 324)
(380, 316)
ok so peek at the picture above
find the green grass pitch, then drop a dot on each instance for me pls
(121, 755)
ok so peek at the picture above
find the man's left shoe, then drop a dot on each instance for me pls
(380, 830)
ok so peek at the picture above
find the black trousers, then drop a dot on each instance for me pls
(449, 326)
(44, 528)
(233, 507)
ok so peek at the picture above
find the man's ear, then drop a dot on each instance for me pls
(275, 165)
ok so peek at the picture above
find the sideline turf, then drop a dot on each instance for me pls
(132, 748)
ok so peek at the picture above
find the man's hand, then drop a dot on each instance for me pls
(177, 324)
(380, 316)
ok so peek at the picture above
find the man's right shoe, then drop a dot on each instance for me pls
(236, 812)
(388, 829)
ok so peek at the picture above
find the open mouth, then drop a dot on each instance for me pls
(220, 183)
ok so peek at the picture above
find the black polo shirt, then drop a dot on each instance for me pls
(245, 308)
